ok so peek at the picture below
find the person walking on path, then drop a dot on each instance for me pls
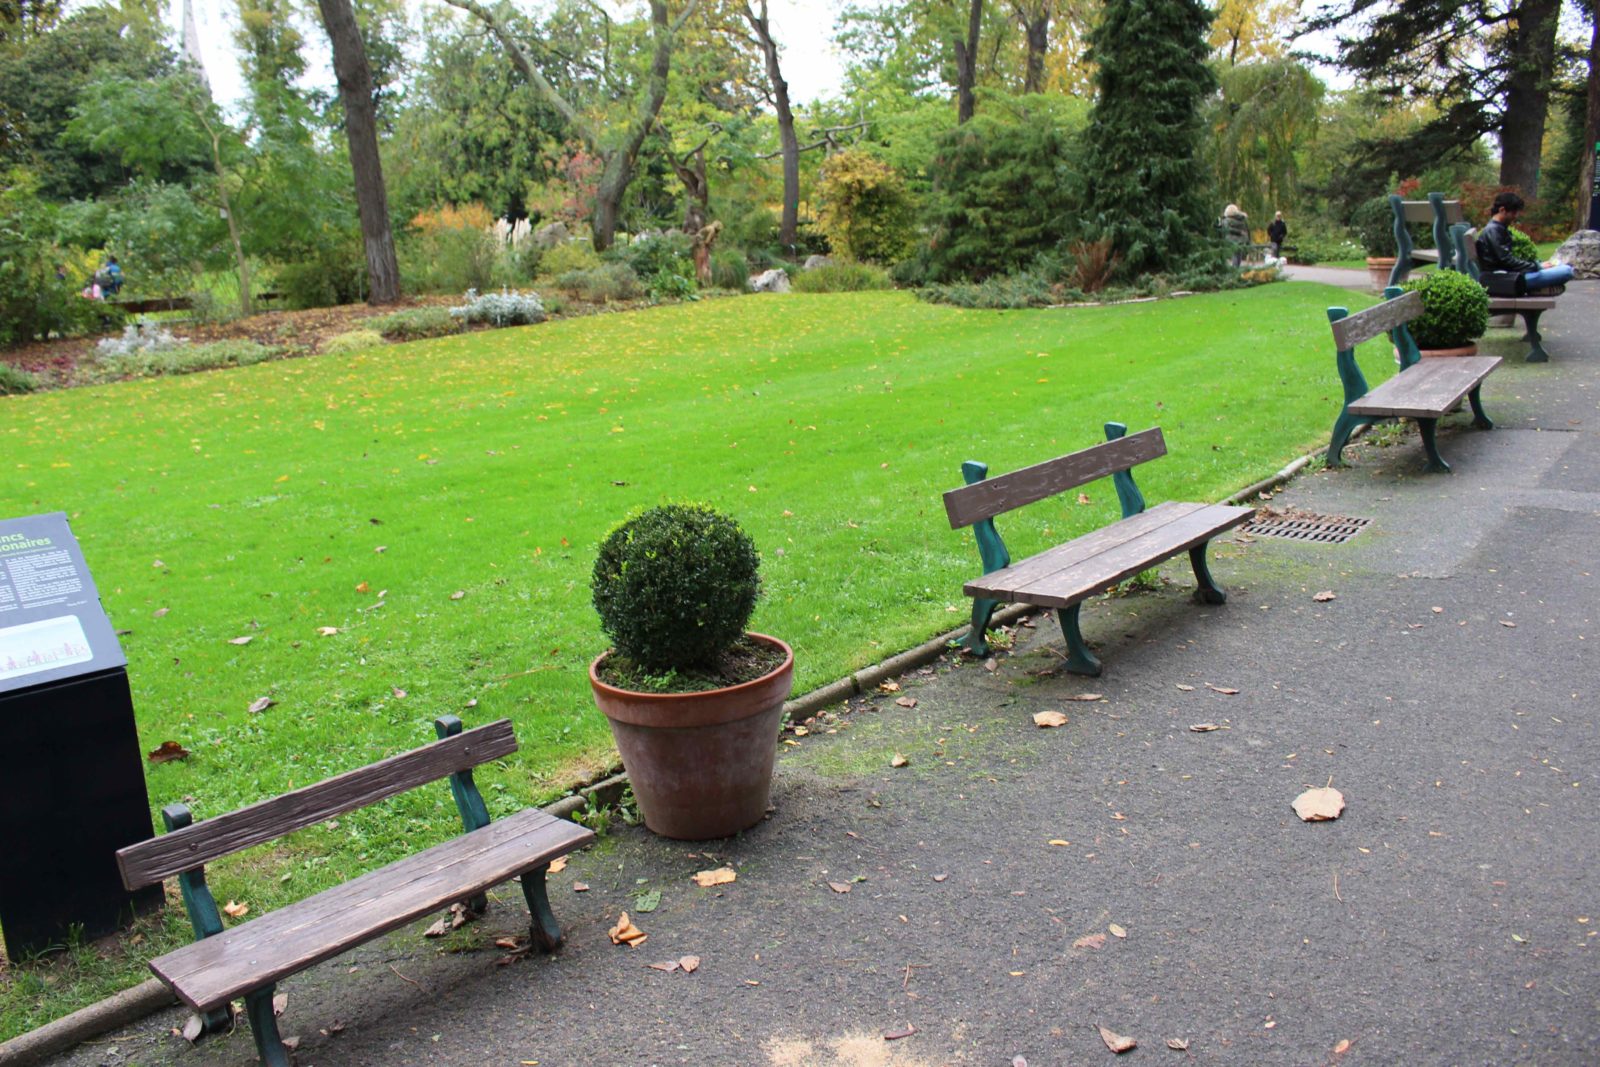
(1277, 230)
(1504, 274)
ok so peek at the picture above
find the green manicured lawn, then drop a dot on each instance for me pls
(439, 504)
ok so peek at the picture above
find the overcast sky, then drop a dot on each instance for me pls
(803, 27)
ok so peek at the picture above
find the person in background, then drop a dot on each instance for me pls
(61, 272)
(1235, 226)
(113, 277)
(1503, 274)
(1277, 230)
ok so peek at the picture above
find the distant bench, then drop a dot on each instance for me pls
(1425, 389)
(1065, 576)
(247, 960)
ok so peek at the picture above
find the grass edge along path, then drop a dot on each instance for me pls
(437, 505)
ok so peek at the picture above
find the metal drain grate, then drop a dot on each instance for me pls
(1323, 529)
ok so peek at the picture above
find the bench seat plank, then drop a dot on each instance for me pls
(1427, 390)
(1070, 573)
(1522, 303)
(215, 970)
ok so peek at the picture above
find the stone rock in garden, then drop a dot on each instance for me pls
(1582, 252)
(813, 262)
(772, 281)
(556, 233)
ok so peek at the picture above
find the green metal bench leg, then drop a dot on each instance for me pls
(264, 1024)
(545, 932)
(1536, 352)
(1079, 659)
(1436, 462)
(1479, 419)
(1209, 592)
(1343, 427)
(977, 638)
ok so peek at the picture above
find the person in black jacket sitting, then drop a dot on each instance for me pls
(1495, 256)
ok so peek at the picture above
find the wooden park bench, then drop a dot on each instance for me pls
(1424, 389)
(1065, 576)
(1442, 214)
(1465, 241)
(248, 959)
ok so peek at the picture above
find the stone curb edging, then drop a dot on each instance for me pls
(151, 996)
(119, 1009)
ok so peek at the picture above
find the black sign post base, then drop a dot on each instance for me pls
(72, 785)
(72, 795)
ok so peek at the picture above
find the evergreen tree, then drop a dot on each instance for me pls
(1144, 183)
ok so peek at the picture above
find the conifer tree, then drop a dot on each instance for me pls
(1144, 183)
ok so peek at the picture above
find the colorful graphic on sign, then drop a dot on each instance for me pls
(42, 646)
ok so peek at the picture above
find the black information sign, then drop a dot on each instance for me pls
(72, 791)
(1594, 193)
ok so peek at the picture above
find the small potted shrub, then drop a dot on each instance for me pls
(1373, 224)
(1455, 312)
(694, 701)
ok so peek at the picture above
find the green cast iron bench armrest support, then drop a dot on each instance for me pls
(1068, 574)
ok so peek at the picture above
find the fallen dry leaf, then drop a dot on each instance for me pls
(557, 865)
(363, 587)
(888, 687)
(839, 887)
(1086, 697)
(1222, 689)
(261, 704)
(245, 640)
(896, 1035)
(1342, 1047)
(156, 614)
(1437, 611)
(327, 631)
(1508, 624)
(1319, 805)
(991, 664)
(505, 942)
(1117, 931)
(1186, 688)
(1325, 596)
(193, 1029)
(169, 751)
(280, 1003)
(1058, 842)
(906, 702)
(580, 887)
(690, 964)
(1204, 727)
(1083, 498)
(1116, 1042)
(1046, 719)
(459, 594)
(663, 965)
(1178, 1044)
(898, 760)
(438, 929)
(399, 694)
(235, 910)
(625, 933)
(720, 876)
(1094, 941)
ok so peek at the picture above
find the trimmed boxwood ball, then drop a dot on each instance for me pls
(1455, 310)
(675, 586)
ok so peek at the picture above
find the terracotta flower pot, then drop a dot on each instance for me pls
(700, 763)
(1380, 267)
(1464, 350)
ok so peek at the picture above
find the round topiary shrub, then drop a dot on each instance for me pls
(1523, 246)
(675, 586)
(1373, 224)
(1455, 310)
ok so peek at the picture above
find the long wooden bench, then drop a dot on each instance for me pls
(1465, 240)
(247, 960)
(1425, 389)
(1065, 576)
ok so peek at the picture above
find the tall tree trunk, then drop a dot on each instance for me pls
(1036, 25)
(239, 257)
(761, 25)
(1527, 103)
(967, 63)
(1592, 124)
(691, 171)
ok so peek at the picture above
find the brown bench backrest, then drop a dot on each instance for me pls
(1365, 325)
(1004, 492)
(199, 843)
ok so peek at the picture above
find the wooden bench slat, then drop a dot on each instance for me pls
(1026, 571)
(1066, 587)
(1427, 390)
(1365, 325)
(1522, 303)
(210, 972)
(1004, 492)
(209, 839)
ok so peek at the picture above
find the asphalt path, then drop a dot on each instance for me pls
(1011, 889)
